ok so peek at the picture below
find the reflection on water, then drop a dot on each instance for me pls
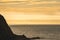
(46, 32)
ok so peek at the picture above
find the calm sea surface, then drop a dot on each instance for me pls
(46, 32)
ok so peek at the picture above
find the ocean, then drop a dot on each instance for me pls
(45, 32)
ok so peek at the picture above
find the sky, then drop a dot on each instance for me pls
(30, 11)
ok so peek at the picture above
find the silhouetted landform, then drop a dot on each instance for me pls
(7, 34)
(35, 38)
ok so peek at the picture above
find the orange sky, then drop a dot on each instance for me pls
(29, 13)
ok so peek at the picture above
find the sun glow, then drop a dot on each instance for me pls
(23, 18)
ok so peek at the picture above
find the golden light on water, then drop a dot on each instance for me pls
(30, 12)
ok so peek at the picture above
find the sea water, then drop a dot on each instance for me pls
(45, 32)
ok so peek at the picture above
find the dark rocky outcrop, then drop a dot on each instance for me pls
(7, 34)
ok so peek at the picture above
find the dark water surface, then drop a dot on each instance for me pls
(47, 32)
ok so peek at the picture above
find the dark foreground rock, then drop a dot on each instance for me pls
(7, 34)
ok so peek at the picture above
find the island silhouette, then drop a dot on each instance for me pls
(7, 34)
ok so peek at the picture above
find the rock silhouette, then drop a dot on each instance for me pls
(7, 34)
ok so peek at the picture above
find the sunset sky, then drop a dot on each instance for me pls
(30, 11)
